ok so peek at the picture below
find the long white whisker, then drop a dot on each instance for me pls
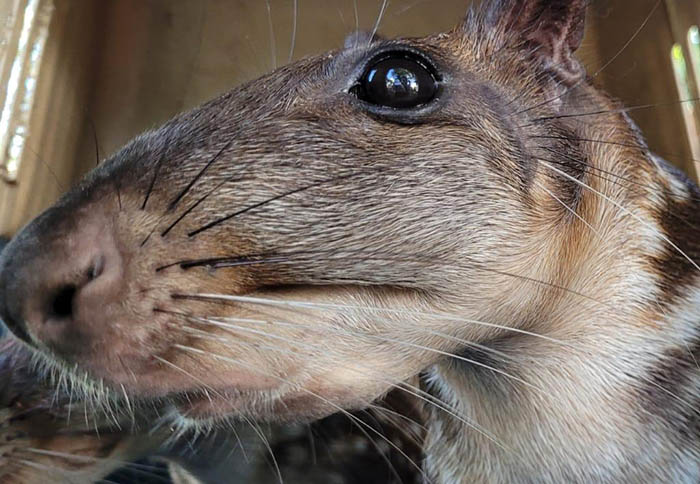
(357, 20)
(181, 370)
(571, 210)
(379, 21)
(294, 31)
(45, 467)
(218, 394)
(396, 414)
(625, 210)
(268, 447)
(309, 305)
(305, 390)
(411, 390)
(371, 336)
(504, 356)
(142, 468)
(273, 42)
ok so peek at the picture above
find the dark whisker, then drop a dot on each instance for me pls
(609, 111)
(616, 179)
(264, 202)
(156, 170)
(118, 188)
(291, 257)
(196, 204)
(48, 168)
(199, 175)
(617, 143)
(222, 262)
(94, 139)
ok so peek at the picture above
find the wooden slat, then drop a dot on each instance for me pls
(58, 119)
(683, 14)
(641, 72)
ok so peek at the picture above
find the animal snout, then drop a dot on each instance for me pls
(56, 285)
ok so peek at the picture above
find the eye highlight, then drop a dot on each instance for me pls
(399, 80)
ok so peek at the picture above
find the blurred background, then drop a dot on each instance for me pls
(79, 78)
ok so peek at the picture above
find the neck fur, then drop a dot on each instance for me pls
(617, 397)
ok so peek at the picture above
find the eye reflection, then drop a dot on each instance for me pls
(401, 82)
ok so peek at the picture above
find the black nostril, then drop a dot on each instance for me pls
(96, 268)
(62, 304)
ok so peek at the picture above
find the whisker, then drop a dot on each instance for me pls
(631, 39)
(378, 22)
(156, 171)
(189, 209)
(357, 20)
(273, 42)
(340, 14)
(49, 468)
(147, 470)
(309, 305)
(597, 73)
(397, 415)
(381, 454)
(617, 181)
(285, 257)
(229, 326)
(268, 447)
(407, 388)
(47, 166)
(219, 323)
(179, 196)
(309, 392)
(630, 109)
(181, 370)
(408, 7)
(628, 212)
(615, 143)
(264, 202)
(294, 30)
(569, 209)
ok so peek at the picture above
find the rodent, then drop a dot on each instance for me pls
(467, 207)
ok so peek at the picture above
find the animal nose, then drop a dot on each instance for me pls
(55, 284)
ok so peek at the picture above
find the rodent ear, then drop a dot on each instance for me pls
(361, 38)
(551, 29)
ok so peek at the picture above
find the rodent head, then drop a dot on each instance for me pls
(171, 271)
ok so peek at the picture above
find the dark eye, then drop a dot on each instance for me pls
(398, 80)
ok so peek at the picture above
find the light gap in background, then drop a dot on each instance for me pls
(22, 41)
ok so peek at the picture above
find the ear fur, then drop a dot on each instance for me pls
(551, 29)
